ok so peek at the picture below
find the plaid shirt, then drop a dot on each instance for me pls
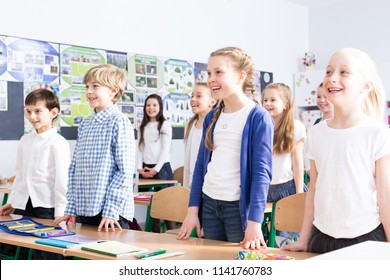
(102, 168)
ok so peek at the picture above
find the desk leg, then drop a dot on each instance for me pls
(148, 221)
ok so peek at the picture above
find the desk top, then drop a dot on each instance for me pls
(151, 182)
(195, 248)
(368, 250)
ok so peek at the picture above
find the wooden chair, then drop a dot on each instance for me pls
(171, 204)
(287, 215)
(178, 174)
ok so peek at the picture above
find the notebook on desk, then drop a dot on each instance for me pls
(111, 248)
(67, 241)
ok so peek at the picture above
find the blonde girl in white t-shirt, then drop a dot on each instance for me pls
(349, 197)
(201, 103)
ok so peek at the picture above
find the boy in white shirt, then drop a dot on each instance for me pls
(43, 158)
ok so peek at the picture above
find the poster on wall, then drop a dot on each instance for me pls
(119, 59)
(3, 57)
(200, 72)
(76, 61)
(145, 72)
(74, 105)
(127, 105)
(3, 96)
(32, 60)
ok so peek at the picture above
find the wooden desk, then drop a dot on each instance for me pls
(368, 250)
(151, 184)
(195, 248)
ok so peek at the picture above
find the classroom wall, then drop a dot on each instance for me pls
(365, 26)
(274, 33)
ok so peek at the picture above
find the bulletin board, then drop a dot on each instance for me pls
(12, 120)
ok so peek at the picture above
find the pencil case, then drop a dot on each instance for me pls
(28, 227)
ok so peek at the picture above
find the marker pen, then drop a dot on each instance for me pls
(150, 253)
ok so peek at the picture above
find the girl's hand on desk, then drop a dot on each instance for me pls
(295, 247)
(254, 238)
(190, 222)
(6, 209)
(107, 223)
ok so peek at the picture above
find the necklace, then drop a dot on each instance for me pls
(225, 126)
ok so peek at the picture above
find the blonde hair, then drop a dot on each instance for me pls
(373, 104)
(284, 130)
(109, 76)
(195, 117)
(241, 62)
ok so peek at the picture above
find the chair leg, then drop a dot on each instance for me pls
(272, 234)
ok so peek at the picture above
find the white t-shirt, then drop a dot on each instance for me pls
(156, 147)
(282, 164)
(191, 148)
(222, 180)
(345, 202)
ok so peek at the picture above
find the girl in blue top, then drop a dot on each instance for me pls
(233, 169)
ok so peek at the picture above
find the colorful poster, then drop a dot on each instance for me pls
(127, 105)
(76, 61)
(177, 109)
(119, 59)
(145, 72)
(32, 60)
(201, 75)
(74, 105)
(179, 76)
(3, 56)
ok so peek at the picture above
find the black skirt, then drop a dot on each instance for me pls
(321, 243)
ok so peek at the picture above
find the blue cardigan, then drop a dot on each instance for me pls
(255, 165)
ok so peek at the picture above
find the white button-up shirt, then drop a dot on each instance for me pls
(41, 172)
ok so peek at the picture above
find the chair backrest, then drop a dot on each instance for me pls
(178, 174)
(289, 213)
(170, 204)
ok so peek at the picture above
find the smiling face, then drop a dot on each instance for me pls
(40, 117)
(322, 101)
(343, 82)
(201, 100)
(223, 79)
(99, 97)
(152, 109)
(273, 103)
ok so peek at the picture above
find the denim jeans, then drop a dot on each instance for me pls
(221, 220)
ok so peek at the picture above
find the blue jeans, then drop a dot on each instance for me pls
(221, 220)
(278, 191)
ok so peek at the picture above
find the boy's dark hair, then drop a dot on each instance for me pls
(160, 117)
(48, 97)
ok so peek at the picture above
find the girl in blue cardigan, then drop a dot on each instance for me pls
(233, 168)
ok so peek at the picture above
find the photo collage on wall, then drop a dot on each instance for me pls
(61, 68)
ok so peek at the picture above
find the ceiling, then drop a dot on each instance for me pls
(314, 3)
